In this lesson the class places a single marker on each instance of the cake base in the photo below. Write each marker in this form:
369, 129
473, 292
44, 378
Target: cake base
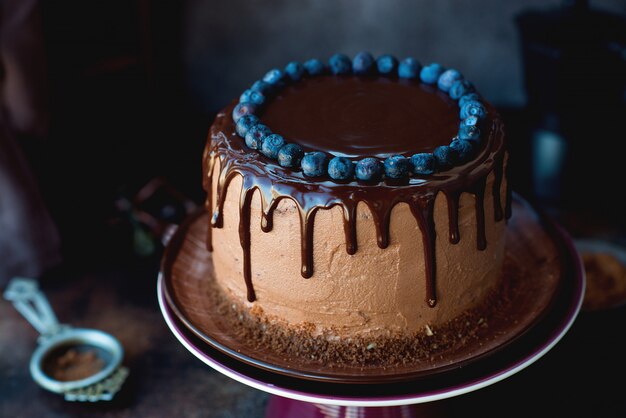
535, 267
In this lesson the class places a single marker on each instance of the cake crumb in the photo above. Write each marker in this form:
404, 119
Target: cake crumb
256, 310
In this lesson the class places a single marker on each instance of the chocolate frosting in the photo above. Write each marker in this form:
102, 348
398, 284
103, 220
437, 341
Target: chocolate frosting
355, 117
363, 116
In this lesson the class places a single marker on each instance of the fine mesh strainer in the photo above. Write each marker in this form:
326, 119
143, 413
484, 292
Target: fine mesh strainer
57, 340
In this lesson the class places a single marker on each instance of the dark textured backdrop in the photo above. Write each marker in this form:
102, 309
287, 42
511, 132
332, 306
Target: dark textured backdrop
228, 43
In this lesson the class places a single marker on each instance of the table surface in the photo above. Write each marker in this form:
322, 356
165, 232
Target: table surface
580, 377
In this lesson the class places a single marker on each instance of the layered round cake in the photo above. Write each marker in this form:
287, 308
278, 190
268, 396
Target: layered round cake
357, 203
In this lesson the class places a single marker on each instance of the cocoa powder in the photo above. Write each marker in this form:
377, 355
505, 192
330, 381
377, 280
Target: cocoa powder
73, 364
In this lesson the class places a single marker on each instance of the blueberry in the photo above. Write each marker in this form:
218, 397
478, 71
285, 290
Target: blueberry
245, 123
470, 121
469, 132
271, 145
468, 97
423, 163
256, 134
340, 168
447, 79
387, 65
464, 149
460, 88
294, 70
369, 169
409, 68
262, 87
290, 155
252, 96
340, 64
430, 73
275, 77
314, 164
396, 167
363, 63
314, 67
473, 108
446, 157
243, 108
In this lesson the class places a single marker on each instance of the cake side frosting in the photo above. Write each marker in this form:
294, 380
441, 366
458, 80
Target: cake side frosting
374, 290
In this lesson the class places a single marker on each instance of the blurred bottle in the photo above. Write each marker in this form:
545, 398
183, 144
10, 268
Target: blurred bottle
574, 61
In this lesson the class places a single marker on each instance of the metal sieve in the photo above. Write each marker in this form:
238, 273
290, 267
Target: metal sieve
56, 338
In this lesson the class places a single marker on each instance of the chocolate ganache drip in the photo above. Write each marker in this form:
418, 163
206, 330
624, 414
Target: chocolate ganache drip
355, 117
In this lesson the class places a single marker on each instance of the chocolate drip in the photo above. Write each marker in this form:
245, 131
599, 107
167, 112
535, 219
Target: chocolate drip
275, 183
479, 193
225, 177
306, 235
384, 220
423, 211
206, 183
267, 218
244, 238
497, 183
349, 227
453, 215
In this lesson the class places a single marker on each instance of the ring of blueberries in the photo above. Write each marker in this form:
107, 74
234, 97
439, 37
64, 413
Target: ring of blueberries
461, 149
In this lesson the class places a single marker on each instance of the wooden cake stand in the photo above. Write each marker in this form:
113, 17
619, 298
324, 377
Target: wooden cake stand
546, 288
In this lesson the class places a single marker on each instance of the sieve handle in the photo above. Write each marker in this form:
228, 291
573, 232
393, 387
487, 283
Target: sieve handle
33, 305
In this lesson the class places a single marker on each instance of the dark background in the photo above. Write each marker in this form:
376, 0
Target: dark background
133, 86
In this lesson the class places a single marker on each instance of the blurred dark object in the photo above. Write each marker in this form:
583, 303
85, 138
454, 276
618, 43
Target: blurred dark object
29, 239
575, 77
118, 118
151, 215
23, 68
93, 104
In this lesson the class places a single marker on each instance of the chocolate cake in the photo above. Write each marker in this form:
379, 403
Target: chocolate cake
357, 203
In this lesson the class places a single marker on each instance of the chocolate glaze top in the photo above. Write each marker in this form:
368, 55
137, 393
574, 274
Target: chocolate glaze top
363, 116
421, 120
